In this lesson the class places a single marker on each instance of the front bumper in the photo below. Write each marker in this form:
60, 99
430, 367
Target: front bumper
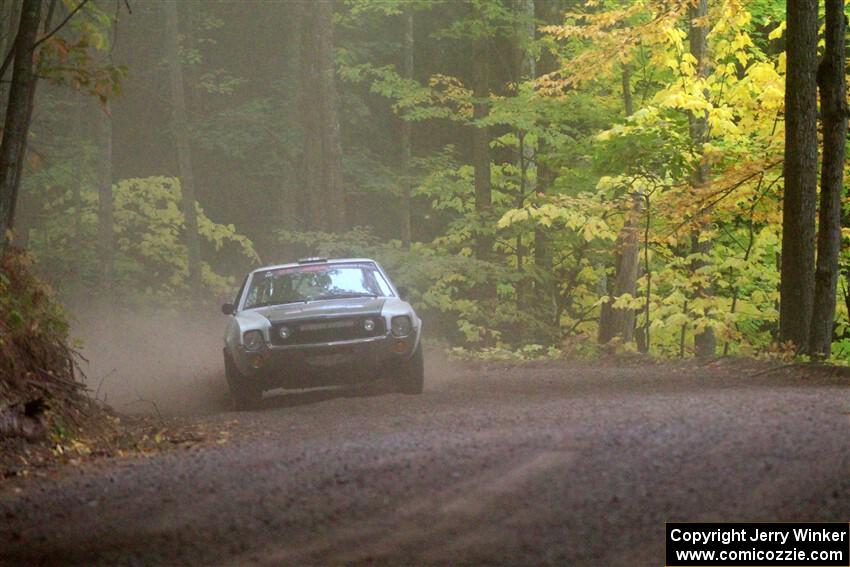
339, 362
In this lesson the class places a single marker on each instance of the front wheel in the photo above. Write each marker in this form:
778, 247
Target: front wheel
412, 379
245, 395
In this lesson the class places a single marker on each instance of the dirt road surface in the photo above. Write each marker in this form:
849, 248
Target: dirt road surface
556, 464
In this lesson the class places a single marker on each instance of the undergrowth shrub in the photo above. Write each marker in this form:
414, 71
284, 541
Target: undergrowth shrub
445, 287
37, 366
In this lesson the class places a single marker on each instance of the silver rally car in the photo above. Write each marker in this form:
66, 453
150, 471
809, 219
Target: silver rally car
320, 322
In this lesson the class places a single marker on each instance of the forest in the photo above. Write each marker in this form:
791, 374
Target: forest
547, 177
612, 290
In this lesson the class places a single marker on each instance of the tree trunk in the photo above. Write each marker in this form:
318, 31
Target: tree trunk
332, 181
525, 68
833, 94
311, 201
546, 11
5, 27
628, 105
7, 35
78, 284
181, 138
621, 322
406, 130
10, 16
289, 209
18, 113
105, 230
796, 288
705, 343
481, 143
22, 236
321, 169
189, 14
79, 182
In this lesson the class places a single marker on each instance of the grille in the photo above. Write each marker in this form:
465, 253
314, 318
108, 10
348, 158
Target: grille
326, 330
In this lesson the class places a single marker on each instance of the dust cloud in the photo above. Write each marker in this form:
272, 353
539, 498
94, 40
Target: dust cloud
440, 370
144, 362
157, 361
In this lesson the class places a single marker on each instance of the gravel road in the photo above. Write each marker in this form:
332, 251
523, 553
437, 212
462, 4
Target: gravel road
547, 464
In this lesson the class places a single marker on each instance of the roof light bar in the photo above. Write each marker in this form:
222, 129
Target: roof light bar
314, 260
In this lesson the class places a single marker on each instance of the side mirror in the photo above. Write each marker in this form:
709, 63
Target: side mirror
228, 308
402, 292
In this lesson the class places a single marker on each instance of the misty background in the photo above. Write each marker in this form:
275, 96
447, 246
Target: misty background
534, 171
145, 322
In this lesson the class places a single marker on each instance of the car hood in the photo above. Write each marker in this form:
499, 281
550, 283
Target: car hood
326, 308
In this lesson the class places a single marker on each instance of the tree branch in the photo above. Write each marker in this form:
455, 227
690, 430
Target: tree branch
9, 57
61, 24
723, 193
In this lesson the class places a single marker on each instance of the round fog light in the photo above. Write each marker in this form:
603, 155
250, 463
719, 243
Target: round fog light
369, 325
256, 362
284, 333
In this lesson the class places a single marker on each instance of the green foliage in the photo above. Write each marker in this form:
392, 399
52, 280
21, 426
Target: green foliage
442, 283
151, 257
571, 125
77, 58
567, 165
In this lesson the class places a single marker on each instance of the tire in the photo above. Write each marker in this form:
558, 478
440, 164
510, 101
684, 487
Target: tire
245, 396
412, 379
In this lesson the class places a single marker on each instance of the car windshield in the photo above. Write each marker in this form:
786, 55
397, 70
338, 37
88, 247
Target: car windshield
315, 283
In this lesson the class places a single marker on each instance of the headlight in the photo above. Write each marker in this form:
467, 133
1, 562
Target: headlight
369, 325
284, 332
253, 340
401, 326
